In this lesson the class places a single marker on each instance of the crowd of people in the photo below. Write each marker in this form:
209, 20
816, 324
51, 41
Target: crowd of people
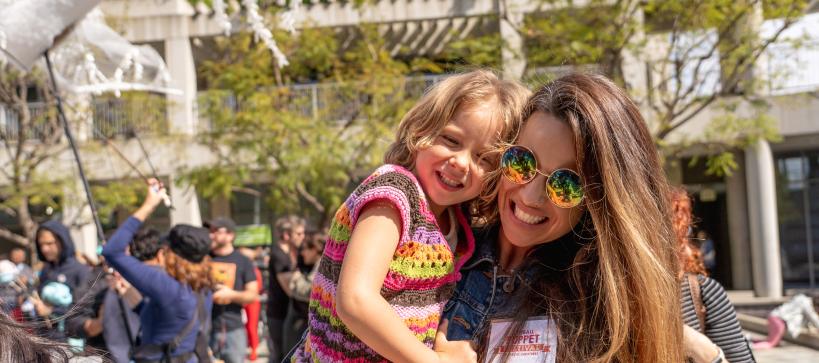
188, 295
500, 216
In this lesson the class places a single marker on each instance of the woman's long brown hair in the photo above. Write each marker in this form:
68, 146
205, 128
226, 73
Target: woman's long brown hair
619, 300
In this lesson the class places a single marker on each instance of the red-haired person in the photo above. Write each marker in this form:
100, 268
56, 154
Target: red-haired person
711, 327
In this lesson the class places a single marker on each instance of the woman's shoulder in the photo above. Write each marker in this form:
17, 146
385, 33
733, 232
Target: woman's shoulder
187, 297
709, 284
713, 293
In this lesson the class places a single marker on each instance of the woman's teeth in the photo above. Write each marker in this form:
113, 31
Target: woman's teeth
527, 218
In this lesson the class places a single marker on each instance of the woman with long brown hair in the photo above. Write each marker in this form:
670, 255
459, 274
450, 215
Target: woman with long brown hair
577, 234
176, 286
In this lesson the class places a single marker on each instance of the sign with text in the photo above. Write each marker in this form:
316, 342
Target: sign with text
253, 235
536, 342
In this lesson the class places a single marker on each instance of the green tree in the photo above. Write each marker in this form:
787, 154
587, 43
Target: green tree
687, 44
32, 138
310, 143
31, 135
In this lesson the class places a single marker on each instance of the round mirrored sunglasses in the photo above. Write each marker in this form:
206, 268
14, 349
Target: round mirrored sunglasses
563, 186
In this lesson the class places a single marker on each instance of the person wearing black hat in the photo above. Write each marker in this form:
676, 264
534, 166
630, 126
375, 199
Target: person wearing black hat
236, 285
176, 287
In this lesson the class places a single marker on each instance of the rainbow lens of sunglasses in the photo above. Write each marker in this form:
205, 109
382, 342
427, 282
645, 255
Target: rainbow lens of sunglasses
519, 164
565, 189
563, 186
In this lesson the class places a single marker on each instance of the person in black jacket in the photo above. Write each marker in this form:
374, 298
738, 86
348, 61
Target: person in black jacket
56, 249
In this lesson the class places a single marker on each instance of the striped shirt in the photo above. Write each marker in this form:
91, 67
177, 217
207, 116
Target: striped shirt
721, 325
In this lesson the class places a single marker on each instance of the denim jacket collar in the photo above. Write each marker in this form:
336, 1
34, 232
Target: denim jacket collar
556, 255
486, 241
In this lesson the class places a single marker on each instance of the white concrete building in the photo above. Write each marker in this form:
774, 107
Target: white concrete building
764, 219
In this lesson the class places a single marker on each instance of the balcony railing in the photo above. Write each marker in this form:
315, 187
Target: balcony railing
111, 117
339, 101
40, 127
138, 113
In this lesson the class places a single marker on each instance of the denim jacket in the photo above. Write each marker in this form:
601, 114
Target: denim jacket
485, 292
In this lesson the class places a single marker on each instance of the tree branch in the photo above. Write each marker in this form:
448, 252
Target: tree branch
310, 198
14, 237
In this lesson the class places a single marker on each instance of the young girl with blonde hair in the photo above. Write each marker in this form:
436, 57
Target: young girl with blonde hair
396, 244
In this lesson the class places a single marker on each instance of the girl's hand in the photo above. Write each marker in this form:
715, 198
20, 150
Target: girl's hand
455, 351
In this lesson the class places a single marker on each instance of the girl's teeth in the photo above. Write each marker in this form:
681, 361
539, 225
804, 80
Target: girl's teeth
528, 218
450, 182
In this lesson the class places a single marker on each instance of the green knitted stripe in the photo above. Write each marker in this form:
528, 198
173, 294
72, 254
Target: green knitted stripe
339, 232
415, 269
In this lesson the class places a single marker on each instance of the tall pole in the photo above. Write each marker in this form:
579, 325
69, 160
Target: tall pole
72, 144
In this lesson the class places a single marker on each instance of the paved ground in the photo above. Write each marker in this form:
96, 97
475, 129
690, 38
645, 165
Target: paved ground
786, 352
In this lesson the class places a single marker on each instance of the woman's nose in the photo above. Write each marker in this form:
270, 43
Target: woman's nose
533, 193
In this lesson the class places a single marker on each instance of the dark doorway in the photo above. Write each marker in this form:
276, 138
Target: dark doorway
711, 216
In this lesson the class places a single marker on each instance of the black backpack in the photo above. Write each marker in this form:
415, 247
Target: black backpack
200, 349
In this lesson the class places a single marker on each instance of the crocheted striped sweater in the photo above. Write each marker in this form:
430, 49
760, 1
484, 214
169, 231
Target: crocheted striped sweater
420, 279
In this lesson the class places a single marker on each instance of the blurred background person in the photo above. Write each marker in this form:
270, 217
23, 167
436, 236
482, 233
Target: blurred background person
19, 257
797, 314
709, 254
235, 285
301, 284
85, 322
120, 321
712, 331
12, 290
283, 261
55, 249
175, 286
253, 309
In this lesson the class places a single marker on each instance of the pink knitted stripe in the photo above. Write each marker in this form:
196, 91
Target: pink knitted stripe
418, 311
396, 281
386, 193
335, 250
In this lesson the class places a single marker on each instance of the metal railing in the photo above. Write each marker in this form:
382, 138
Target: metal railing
39, 127
314, 100
110, 117
145, 114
